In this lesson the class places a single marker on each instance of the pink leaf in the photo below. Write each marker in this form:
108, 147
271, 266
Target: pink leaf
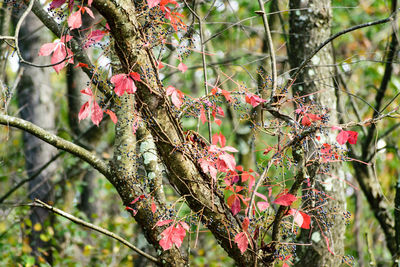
342, 137
97, 113
218, 122
153, 3
47, 49
75, 20
112, 116
123, 83
58, 56
242, 241
229, 160
285, 200
182, 67
94, 37
90, 13
262, 205
185, 226
89, 2
84, 111
229, 149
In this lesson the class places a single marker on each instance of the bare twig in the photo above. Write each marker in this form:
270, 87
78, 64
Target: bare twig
333, 37
270, 48
41, 204
56, 141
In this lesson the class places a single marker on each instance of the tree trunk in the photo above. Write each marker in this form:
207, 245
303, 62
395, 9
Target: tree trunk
37, 106
309, 26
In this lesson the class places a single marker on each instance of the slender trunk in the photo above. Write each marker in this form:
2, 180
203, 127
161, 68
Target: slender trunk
34, 99
309, 26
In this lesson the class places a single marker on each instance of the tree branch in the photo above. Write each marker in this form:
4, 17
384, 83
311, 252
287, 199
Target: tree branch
333, 37
41, 204
56, 141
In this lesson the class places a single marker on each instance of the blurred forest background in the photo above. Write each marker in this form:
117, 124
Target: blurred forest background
238, 49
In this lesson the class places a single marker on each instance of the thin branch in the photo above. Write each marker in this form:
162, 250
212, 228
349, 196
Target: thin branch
56, 141
384, 84
41, 204
203, 58
270, 47
333, 37
79, 54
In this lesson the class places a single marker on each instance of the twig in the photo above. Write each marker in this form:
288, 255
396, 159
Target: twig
203, 58
41, 204
56, 141
270, 48
333, 37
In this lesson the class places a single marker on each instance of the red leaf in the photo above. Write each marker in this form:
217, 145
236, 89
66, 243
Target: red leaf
285, 200
87, 91
227, 95
245, 224
254, 100
75, 20
112, 116
82, 65
203, 115
327, 245
182, 67
352, 137
97, 113
160, 65
302, 219
153, 207
135, 76
235, 206
242, 241
56, 3
84, 111
314, 117
220, 111
172, 235
342, 137
218, 122
305, 121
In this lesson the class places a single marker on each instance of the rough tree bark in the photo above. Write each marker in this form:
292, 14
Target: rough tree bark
310, 24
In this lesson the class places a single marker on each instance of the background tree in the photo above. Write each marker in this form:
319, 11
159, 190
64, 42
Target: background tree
141, 59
